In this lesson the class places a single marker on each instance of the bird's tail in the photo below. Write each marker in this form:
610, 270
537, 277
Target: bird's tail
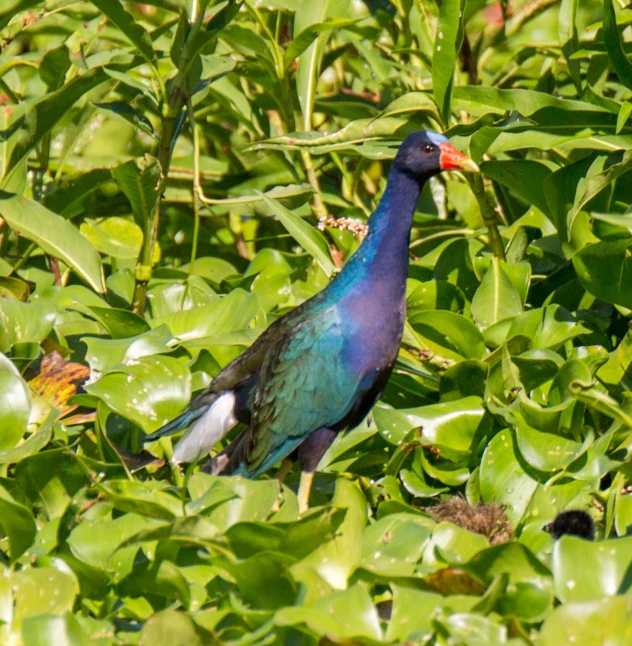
176, 425
207, 423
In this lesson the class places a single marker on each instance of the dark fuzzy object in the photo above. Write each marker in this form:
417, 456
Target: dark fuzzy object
575, 522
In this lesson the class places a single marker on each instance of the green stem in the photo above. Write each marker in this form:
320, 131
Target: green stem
178, 478
171, 110
20, 263
197, 189
320, 209
489, 215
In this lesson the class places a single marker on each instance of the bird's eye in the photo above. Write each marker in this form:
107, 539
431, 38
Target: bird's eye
427, 148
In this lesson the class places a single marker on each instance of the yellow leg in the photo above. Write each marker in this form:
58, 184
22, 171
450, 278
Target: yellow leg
304, 489
282, 471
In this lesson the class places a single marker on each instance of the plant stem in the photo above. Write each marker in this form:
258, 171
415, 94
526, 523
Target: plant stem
170, 110
20, 263
197, 189
319, 206
489, 215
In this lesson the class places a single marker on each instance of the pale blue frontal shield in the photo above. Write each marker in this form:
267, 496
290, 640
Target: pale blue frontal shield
436, 138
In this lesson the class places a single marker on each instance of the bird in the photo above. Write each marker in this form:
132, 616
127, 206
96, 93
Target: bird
573, 521
320, 368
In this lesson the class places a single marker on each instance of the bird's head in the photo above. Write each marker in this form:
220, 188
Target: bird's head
426, 153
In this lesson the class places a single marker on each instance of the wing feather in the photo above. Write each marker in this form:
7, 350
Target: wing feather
303, 386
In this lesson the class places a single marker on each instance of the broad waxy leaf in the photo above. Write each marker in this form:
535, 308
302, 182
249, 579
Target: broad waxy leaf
496, 299
150, 392
55, 235
590, 622
605, 270
503, 479
585, 571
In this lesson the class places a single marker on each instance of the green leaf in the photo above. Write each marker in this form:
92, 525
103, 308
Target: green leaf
229, 501
43, 590
623, 514
44, 115
342, 615
305, 38
17, 523
598, 183
307, 236
525, 178
410, 103
606, 621
115, 237
130, 114
150, 392
170, 627
624, 115
525, 102
446, 50
412, 614
605, 270
569, 40
54, 66
588, 571
55, 235
52, 630
119, 323
451, 544
124, 21
449, 332
103, 354
24, 322
434, 295
144, 498
226, 314
547, 451
450, 425
394, 544
206, 39
513, 559
503, 479
614, 45
478, 630
34, 444
496, 298
95, 540
253, 576
308, 14
15, 403
141, 186
336, 560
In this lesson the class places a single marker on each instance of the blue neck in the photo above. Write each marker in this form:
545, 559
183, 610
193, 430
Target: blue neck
383, 254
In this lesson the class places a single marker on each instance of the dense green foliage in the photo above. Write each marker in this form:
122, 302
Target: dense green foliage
163, 167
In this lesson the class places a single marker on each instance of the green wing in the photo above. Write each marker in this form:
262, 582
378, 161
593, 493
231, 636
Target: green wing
303, 385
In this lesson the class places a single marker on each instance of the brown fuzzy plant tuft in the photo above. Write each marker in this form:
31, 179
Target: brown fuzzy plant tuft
488, 519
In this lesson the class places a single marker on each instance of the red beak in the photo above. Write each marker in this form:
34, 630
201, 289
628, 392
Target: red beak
453, 159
